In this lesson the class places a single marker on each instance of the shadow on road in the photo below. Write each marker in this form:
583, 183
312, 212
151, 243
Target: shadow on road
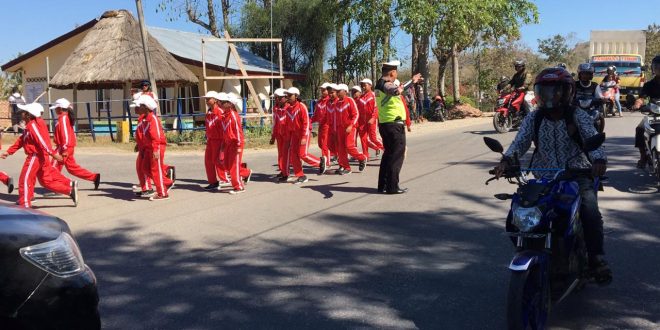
328, 190
384, 270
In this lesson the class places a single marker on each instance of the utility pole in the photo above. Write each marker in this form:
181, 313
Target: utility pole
145, 48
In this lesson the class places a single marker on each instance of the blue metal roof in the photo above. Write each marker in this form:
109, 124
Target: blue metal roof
189, 45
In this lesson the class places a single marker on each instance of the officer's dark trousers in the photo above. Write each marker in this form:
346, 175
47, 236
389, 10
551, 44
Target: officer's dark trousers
394, 141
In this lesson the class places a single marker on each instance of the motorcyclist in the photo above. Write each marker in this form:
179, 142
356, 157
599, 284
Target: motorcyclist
585, 87
521, 82
651, 90
611, 80
556, 147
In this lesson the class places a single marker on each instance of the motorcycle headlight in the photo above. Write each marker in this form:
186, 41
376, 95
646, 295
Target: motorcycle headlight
526, 218
500, 102
60, 257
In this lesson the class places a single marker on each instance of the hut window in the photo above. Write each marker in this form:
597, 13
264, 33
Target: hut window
165, 104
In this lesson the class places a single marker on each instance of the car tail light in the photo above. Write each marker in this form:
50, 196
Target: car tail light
60, 257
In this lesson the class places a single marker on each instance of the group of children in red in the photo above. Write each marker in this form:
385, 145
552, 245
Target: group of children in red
341, 119
223, 157
43, 162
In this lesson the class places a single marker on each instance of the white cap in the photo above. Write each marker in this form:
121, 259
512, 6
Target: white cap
342, 87
357, 88
133, 104
397, 83
136, 96
325, 85
34, 109
235, 99
16, 95
394, 63
211, 95
333, 86
366, 81
147, 101
293, 90
61, 103
222, 96
279, 92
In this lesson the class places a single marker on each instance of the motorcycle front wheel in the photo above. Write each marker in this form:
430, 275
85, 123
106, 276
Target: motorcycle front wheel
528, 300
501, 123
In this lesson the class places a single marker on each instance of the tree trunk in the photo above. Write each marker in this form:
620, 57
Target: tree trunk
442, 77
455, 79
414, 55
386, 47
372, 57
423, 61
225, 13
443, 57
339, 46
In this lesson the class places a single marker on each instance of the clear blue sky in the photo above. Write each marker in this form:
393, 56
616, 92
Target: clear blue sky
27, 24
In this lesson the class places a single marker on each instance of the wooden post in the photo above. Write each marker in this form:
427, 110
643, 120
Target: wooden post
145, 49
248, 83
279, 48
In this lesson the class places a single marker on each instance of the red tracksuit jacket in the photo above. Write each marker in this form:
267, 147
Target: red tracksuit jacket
367, 108
34, 140
279, 121
297, 121
321, 111
231, 129
65, 137
152, 132
213, 122
346, 114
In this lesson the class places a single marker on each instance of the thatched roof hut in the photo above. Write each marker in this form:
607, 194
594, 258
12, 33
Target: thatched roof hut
111, 55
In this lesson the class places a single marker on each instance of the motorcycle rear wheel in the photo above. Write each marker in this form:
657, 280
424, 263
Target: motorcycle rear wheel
528, 300
502, 124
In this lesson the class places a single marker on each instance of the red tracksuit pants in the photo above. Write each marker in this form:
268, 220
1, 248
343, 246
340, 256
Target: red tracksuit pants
72, 167
282, 155
162, 156
213, 162
143, 177
4, 177
346, 146
154, 169
324, 142
299, 153
37, 167
369, 138
233, 161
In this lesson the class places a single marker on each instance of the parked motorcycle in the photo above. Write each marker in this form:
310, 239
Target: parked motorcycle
651, 130
509, 111
593, 108
551, 257
608, 100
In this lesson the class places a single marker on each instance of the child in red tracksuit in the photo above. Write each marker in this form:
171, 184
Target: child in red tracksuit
212, 155
144, 189
368, 121
233, 143
321, 117
65, 144
35, 140
152, 162
299, 128
280, 132
344, 126
4, 178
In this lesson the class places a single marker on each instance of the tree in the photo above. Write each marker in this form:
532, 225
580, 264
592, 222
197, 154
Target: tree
204, 16
463, 23
555, 48
652, 42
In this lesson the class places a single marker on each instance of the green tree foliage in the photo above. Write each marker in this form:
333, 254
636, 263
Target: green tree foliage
652, 42
555, 48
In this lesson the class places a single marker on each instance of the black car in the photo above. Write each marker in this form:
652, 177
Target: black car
44, 282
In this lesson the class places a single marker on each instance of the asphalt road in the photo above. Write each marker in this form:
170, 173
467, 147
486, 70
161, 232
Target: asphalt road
334, 254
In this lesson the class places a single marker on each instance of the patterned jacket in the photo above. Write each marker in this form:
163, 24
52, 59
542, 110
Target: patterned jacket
555, 145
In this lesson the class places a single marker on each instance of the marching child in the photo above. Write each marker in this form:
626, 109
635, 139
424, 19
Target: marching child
153, 161
213, 153
299, 128
321, 117
280, 132
233, 143
4, 178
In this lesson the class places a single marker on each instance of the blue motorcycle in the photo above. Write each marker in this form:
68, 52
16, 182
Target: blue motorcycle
551, 257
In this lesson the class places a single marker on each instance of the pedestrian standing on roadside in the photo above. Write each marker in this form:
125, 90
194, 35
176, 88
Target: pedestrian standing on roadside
14, 100
392, 118
35, 141
65, 143
280, 131
299, 127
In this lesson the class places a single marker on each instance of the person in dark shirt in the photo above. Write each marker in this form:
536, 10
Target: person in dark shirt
651, 90
521, 80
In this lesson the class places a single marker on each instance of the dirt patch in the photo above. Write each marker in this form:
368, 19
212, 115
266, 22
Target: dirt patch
461, 111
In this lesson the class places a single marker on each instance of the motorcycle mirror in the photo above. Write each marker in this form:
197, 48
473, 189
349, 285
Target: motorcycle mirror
494, 145
593, 142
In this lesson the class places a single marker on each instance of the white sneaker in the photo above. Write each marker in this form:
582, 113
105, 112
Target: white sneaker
236, 192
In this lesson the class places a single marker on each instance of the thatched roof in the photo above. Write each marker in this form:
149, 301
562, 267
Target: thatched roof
111, 54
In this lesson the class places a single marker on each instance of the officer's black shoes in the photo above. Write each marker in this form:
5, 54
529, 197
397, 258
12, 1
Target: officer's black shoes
397, 192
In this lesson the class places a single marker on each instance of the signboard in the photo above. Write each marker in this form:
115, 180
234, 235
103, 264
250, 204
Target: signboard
614, 58
32, 90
